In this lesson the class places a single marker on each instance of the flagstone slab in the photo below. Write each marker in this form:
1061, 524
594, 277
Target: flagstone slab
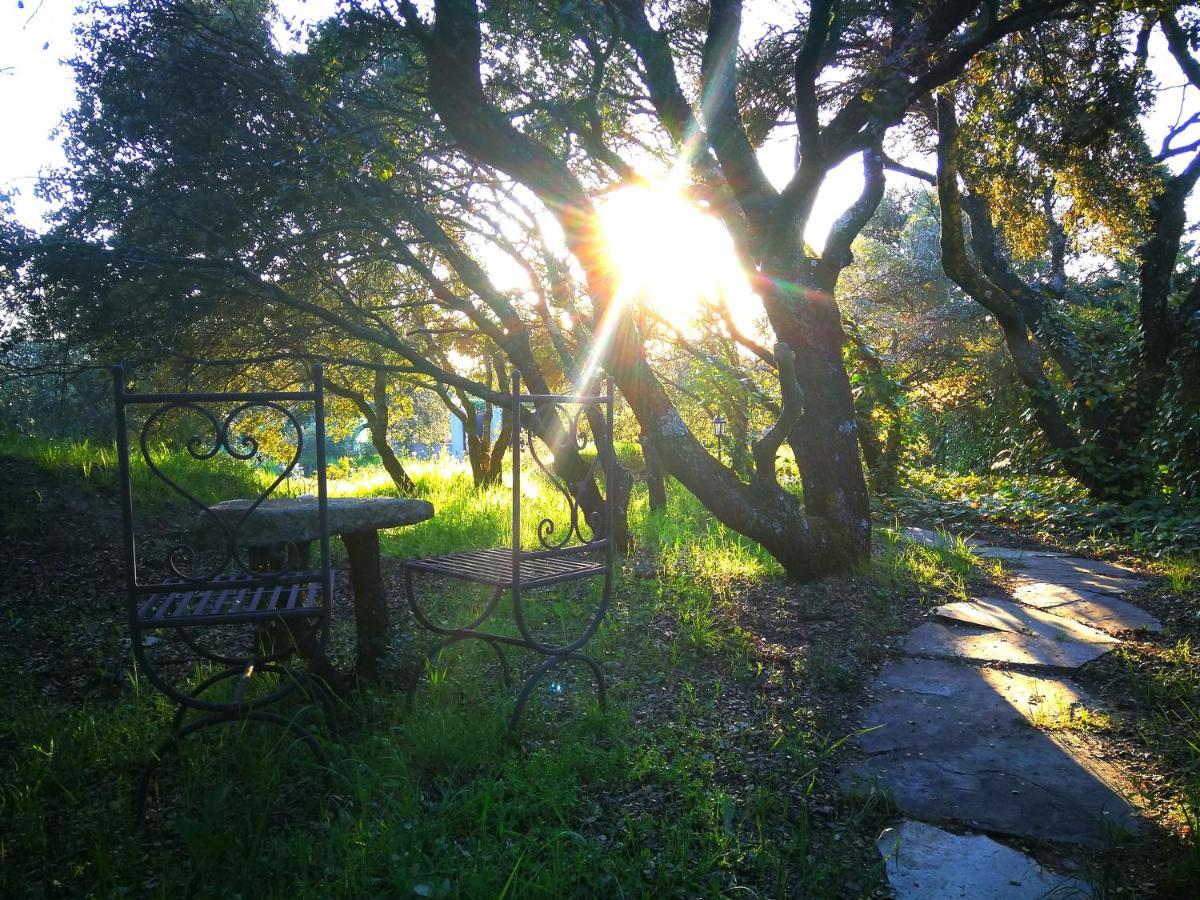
1088, 574
1012, 553
927, 863
979, 644
1004, 615
1046, 595
933, 538
1076, 566
1101, 610
1005, 553
1098, 584
929, 536
955, 743
1109, 614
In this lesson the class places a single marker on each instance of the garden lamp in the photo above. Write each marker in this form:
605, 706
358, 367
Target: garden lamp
719, 430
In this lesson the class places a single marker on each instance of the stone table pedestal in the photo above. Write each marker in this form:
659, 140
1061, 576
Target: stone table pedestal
295, 522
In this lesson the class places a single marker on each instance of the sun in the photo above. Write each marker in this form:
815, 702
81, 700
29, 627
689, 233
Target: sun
670, 257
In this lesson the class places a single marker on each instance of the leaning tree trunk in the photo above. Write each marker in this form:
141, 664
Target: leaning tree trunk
828, 534
389, 460
825, 439
377, 417
1099, 447
656, 483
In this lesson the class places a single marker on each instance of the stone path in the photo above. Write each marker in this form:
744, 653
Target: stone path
952, 731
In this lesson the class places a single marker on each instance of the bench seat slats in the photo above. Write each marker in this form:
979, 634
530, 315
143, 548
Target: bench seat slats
234, 603
494, 567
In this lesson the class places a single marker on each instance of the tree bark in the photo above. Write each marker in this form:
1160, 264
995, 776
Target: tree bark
377, 417
655, 480
825, 439
1101, 447
830, 531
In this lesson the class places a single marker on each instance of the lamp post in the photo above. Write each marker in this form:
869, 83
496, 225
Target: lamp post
719, 431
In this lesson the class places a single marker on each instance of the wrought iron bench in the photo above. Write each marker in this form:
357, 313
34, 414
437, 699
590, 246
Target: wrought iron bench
583, 549
220, 595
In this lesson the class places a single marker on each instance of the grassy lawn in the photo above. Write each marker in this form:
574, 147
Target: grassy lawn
714, 769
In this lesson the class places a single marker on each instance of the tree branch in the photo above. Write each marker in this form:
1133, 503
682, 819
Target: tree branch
718, 106
767, 447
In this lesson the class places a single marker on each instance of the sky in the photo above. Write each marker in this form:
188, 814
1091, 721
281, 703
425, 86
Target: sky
36, 88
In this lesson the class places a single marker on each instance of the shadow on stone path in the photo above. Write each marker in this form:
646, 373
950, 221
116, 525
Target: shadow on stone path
954, 730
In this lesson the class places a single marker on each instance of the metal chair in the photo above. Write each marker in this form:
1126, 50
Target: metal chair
198, 580
575, 555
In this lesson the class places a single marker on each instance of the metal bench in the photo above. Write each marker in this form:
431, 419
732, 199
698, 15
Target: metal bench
582, 548
220, 595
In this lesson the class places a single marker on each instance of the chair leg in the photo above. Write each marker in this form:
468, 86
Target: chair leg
173, 740
431, 660
543, 668
320, 693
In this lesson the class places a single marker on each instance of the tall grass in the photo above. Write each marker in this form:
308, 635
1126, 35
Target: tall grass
660, 796
685, 540
96, 467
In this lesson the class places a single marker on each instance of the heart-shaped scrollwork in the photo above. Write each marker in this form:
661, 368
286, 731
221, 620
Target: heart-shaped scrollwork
221, 433
547, 427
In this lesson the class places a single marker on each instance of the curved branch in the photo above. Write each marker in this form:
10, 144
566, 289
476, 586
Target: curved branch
962, 271
767, 447
718, 106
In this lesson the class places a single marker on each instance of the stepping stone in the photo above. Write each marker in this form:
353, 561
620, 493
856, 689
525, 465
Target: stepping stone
1046, 595
956, 743
1004, 615
1011, 553
1073, 571
988, 644
979, 548
923, 535
926, 863
1100, 610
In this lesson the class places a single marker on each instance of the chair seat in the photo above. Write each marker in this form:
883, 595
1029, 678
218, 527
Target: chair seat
494, 567
246, 599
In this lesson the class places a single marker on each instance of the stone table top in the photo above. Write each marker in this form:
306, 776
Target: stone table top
296, 520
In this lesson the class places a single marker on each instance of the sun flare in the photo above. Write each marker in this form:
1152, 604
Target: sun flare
670, 257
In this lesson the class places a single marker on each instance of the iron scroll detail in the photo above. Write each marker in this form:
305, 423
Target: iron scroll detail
221, 435
578, 437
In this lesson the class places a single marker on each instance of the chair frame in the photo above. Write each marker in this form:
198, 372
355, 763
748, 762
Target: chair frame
265, 589
556, 561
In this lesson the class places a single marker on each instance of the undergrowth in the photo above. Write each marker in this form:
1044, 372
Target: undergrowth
1053, 509
694, 782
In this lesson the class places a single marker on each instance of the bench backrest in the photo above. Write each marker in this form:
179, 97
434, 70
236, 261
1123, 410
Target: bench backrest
550, 422
208, 548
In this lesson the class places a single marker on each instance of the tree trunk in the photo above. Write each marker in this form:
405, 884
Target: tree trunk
825, 439
830, 532
1098, 446
391, 462
377, 418
655, 480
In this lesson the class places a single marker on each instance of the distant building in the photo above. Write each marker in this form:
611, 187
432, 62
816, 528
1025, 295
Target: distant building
458, 439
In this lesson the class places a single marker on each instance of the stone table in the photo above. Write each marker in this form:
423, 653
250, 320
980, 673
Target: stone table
358, 522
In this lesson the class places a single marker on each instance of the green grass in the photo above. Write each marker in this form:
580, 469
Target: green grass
429, 805
695, 782
96, 470
688, 541
941, 570
1161, 683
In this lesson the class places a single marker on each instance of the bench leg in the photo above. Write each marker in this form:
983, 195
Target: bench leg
544, 668
172, 742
